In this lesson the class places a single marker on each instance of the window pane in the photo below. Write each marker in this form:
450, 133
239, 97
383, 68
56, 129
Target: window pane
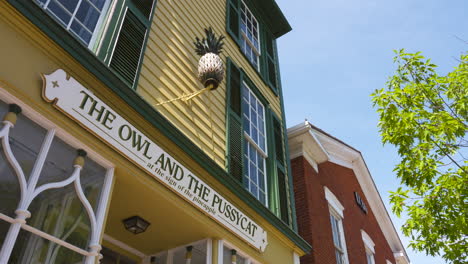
336, 231
70, 5
41, 2
339, 257
59, 212
31, 248
82, 33
198, 255
227, 253
59, 12
26, 138
249, 27
59, 163
9, 187
87, 15
83, 15
4, 226
98, 3
111, 257
160, 259
252, 119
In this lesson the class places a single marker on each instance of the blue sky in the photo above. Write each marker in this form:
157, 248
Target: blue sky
340, 51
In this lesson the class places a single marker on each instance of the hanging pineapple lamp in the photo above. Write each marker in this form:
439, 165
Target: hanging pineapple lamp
210, 65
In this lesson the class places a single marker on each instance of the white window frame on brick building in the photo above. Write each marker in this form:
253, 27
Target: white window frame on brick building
370, 247
336, 220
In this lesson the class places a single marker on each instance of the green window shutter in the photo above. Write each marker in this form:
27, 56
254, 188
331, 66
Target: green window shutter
131, 39
128, 48
235, 153
280, 167
270, 61
233, 17
283, 196
278, 137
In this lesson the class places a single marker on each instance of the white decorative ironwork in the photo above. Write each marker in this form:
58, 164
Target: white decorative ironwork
28, 192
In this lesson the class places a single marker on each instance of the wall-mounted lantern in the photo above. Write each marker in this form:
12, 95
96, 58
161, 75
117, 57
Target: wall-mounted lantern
136, 224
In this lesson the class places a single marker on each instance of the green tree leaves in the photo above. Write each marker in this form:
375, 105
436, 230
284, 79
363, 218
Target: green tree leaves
425, 116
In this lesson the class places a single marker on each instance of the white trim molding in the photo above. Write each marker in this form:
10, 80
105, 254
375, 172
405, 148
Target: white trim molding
368, 241
334, 202
124, 246
317, 147
296, 258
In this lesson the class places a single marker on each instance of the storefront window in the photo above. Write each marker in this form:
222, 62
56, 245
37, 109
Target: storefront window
228, 256
25, 143
62, 202
232, 256
180, 255
111, 257
30, 248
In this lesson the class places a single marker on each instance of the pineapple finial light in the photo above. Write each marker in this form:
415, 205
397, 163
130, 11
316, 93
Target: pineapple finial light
210, 65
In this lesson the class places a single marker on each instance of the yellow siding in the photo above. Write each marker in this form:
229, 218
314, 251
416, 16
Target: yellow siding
170, 68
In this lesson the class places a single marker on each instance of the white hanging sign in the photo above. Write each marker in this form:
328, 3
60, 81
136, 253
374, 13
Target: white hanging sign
69, 96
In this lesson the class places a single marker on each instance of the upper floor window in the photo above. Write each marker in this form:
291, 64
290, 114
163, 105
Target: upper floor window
369, 256
79, 17
336, 220
249, 35
369, 247
337, 230
253, 114
116, 31
255, 145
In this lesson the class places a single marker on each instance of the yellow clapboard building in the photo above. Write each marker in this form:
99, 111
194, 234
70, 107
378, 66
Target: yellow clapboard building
133, 133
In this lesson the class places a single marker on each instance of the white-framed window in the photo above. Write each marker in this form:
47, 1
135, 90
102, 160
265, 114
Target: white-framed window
369, 256
232, 255
198, 252
255, 148
369, 247
336, 220
53, 207
80, 17
250, 37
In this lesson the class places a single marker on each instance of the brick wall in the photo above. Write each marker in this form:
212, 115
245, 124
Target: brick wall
314, 219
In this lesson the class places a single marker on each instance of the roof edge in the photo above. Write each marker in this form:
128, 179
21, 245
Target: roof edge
278, 23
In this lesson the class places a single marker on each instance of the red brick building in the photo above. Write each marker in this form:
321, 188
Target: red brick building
339, 210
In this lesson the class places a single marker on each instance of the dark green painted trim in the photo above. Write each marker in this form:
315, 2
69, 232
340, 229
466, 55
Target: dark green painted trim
276, 165
272, 175
272, 15
110, 37
228, 113
145, 41
255, 90
286, 149
85, 57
